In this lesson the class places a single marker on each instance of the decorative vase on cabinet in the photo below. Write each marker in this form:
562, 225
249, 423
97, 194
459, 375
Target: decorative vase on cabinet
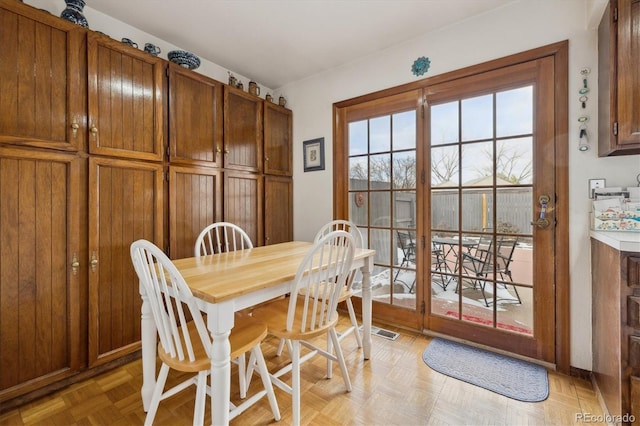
73, 12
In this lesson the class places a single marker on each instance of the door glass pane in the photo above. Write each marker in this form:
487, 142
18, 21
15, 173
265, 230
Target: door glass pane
359, 209
514, 112
477, 118
358, 138
477, 214
404, 130
380, 129
445, 166
404, 209
380, 214
380, 171
404, 170
477, 164
358, 173
513, 210
444, 123
515, 160
444, 210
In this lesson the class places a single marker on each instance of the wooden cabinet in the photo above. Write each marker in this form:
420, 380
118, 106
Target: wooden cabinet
125, 204
40, 270
243, 203
42, 68
278, 208
195, 118
616, 328
195, 201
125, 100
618, 79
242, 131
278, 158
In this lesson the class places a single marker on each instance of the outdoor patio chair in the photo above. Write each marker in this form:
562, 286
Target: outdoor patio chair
406, 243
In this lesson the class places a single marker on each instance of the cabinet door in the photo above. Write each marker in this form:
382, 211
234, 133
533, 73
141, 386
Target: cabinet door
39, 285
125, 100
195, 118
628, 76
42, 86
243, 203
278, 209
278, 157
242, 131
125, 204
195, 201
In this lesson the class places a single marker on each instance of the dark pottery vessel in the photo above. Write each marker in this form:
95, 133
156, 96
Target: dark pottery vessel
73, 12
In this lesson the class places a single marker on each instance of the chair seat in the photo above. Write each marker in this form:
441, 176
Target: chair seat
274, 315
247, 332
345, 293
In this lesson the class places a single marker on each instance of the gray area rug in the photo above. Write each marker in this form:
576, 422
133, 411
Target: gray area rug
501, 374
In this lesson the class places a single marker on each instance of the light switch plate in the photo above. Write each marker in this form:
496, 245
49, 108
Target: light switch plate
594, 184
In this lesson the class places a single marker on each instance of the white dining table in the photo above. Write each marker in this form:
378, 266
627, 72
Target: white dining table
228, 282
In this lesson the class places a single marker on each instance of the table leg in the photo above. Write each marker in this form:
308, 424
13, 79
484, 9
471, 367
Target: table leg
366, 269
220, 322
149, 345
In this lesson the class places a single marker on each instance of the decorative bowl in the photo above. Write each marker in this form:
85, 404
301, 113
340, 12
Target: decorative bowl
183, 58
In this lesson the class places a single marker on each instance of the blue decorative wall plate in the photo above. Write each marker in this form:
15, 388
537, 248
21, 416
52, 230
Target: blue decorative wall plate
420, 65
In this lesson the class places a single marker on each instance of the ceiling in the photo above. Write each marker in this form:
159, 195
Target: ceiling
276, 42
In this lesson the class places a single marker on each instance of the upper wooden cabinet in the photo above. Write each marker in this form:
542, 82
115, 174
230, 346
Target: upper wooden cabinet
278, 159
195, 118
125, 100
42, 81
618, 79
242, 131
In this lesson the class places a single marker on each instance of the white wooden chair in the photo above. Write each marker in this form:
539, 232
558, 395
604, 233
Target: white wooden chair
185, 344
221, 237
310, 310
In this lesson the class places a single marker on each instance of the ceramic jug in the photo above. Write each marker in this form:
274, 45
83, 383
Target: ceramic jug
254, 89
151, 48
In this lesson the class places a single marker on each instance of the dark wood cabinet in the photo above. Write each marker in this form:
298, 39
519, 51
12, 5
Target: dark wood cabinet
125, 204
195, 201
278, 208
618, 79
42, 66
40, 269
125, 100
616, 336
242, 131
195, 118
278, 159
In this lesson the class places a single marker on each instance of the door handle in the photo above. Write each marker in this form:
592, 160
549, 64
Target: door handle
542, 221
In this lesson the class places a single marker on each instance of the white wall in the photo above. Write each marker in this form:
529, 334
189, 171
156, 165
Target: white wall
510, 29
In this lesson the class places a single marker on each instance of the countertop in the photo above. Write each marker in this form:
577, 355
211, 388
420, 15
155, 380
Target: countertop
623, 241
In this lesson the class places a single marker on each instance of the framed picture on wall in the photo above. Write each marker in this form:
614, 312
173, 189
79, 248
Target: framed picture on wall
313, 151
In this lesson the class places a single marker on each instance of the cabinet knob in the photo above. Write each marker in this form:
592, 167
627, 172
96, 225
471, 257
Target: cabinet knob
74, 128
75, 264
94, 262
226, 151
94, 129
218, 150
266, 158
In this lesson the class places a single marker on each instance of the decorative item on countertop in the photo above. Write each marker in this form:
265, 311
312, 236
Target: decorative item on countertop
152, 49
254, 89
130, 42
420, 66
73, 12
232, 79
184, 59
268, 98
282, 101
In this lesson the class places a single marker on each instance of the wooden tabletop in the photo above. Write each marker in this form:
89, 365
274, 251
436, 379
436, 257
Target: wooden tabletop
219, 277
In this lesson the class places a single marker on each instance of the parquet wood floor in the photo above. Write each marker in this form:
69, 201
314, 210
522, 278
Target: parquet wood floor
395, 387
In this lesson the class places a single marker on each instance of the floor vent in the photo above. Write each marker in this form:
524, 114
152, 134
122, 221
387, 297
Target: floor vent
381, 332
